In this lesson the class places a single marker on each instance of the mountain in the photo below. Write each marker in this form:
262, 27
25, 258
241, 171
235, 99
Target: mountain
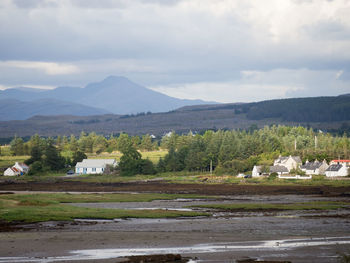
324, 113
114, 94
12, 109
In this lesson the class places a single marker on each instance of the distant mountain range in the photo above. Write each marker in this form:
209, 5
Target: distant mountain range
324, 113
12, 109
116, 95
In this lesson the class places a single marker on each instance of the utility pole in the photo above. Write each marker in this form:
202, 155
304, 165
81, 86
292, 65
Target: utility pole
295, 144
315, 142
211, 166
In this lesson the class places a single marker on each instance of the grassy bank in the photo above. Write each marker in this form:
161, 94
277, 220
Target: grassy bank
30, 208
321, 205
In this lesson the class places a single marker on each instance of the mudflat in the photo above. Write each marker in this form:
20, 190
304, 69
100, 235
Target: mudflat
164, 187
294, 236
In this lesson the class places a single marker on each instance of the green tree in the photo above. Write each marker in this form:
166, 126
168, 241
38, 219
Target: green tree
78, 156
53, 160
17, 146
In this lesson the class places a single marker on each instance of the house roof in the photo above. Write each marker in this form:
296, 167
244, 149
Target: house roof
95, 163
285, 158
278, 169
341, 161
311, 165
334, 168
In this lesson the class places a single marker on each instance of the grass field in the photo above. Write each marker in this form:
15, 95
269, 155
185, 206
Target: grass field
32, 208
154, 156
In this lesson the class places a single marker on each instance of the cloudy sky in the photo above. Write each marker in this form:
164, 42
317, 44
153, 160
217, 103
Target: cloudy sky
217, 50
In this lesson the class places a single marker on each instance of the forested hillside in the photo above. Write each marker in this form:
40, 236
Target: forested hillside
229, 151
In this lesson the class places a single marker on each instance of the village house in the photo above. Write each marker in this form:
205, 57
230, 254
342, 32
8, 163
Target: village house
316, 167
17, 169
258, 170
290, 162
94, 166
338, 168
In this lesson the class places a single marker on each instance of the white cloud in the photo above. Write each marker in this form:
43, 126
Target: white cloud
262, 85
49, 68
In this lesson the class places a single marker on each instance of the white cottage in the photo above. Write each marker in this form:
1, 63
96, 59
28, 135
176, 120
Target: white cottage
280, 170
94, 166
315, 167
290, 162
335, 170
17, 169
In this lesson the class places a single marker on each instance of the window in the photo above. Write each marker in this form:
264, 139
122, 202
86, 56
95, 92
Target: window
94, 169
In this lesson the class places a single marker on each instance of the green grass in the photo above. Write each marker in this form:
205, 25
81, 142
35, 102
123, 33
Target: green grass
32, 208
56, 198
154, 156
32, 214
321, 205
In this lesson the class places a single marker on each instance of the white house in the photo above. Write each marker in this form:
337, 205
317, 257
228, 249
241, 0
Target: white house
12, 171
257, 170
335, 170
315, 167
17, 169
94, 166
290, 162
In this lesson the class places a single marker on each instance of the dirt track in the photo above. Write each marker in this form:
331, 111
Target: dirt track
163, 187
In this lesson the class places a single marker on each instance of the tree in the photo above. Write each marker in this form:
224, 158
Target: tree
129, 161
146, 143
17, 146
35, 155
53, 160
73, 143
78, 156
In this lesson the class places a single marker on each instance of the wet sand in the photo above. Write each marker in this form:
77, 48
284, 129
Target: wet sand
296, 236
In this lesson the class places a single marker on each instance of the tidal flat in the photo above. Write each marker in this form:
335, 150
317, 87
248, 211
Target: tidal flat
295, 235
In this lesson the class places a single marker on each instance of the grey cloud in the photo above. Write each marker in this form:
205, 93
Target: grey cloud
330, 30
29, 4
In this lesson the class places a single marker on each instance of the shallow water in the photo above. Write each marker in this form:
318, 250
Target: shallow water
283, 245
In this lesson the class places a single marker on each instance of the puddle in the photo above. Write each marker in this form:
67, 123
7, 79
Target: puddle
161, 208
269, 245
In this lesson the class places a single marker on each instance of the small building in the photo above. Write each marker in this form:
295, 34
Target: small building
315, 167
290, 162
94, 166
12, 171
336, 170
17, 169
258, 171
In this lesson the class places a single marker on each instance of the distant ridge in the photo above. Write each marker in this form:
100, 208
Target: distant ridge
12, 109
324, 113
114, 94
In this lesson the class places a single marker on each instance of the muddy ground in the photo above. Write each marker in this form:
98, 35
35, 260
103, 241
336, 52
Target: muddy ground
293, 236
163, 187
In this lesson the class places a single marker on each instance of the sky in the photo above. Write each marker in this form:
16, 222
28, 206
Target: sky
215, 50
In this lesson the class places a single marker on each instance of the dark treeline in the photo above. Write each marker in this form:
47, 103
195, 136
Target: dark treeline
238, 151
227, 151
